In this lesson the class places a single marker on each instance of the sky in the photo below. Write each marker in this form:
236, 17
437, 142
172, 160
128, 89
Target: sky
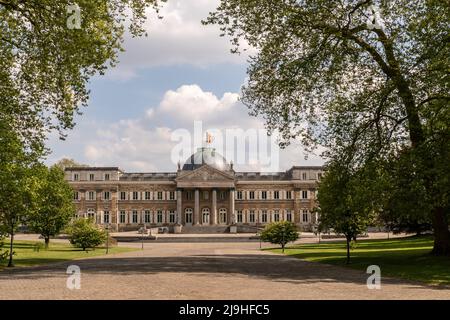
166, 85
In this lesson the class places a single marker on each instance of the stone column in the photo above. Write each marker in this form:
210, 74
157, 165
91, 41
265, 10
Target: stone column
197, 207
179, 205
232, 216
214, 206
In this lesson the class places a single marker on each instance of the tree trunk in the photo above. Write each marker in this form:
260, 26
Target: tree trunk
10, 263
441, 245
47, 241
282, 247
348, 249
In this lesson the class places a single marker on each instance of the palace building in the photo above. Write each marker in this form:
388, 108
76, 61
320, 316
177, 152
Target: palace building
204, 195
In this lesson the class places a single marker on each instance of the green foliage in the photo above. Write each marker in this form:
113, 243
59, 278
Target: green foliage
280, 233
84, 234
18, 182
346, 201
54, 208
407, 258
45, 65
323, 74
67, 163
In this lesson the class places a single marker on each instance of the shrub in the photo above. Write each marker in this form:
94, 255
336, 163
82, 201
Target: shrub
84, 234
279, 233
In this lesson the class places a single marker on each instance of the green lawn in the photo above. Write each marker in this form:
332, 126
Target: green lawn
407, 258
27, 256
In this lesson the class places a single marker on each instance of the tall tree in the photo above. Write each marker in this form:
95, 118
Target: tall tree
54, 207
49, 49
18, 184
67, 163
345, 201
365, 78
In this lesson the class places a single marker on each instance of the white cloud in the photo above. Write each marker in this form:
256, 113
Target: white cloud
146, 144
177, 38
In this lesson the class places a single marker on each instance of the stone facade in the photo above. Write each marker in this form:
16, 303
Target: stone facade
205, 192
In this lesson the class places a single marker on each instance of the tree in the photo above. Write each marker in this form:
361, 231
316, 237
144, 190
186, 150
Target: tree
362, 78
54, 207
50, 49
67, 163
18, 183
84, 234
280, 233
345, 202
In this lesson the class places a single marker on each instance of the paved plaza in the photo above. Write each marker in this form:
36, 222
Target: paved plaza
228, 270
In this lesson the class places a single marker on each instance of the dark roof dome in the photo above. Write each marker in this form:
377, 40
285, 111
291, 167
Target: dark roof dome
209, 156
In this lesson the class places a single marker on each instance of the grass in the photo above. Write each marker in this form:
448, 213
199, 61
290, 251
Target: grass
407, 258
27, 256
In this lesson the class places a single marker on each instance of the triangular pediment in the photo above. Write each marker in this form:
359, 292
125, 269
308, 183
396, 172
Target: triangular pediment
205, 173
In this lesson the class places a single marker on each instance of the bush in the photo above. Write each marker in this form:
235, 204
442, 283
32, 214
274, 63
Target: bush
279, 233
84, 234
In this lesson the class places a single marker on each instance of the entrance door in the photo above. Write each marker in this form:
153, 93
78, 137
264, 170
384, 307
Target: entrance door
205, 216
188, 216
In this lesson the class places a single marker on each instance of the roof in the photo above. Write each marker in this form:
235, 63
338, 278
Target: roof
92, 169
207, 156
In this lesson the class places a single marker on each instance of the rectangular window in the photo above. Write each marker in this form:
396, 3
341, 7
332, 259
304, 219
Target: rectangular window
304, 194
252, 216
205, 195
319, 175
222, 195
106, 195
159, 215
188, 195
76, 177
276, 216
239, 195
264, 216
107, 176
172, 195
160, 195
304, 175
91, 213
122, 216
239, 216
135, 195
91, 177
263, 194
76, 196
147, 195
172, 216
289, 216
147, 216
305, 216
106, 217
276, 194
289, 195
123, 195
135, 216
251, 195
91, 195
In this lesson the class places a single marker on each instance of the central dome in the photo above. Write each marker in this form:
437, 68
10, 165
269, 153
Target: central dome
207, 156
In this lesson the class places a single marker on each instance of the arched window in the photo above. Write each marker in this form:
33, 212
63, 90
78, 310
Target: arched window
222, 215
188, 215
205, 216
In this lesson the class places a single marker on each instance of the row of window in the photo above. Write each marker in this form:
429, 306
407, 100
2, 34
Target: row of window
107, 176
161, 216
91, 177
171, 195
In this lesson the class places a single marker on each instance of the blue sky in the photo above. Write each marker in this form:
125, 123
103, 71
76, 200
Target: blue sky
181, 73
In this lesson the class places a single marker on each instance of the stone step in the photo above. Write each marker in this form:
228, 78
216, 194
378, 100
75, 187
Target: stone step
205, 229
